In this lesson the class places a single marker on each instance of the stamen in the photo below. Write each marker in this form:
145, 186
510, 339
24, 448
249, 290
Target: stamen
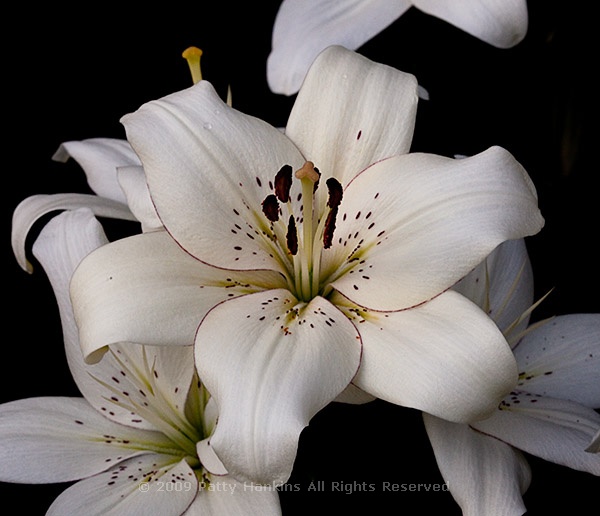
335, 192
329, 228
192, 56
283, 183
292, 236
270, 208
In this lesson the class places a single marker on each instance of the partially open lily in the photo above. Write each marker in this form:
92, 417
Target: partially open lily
303, 28
138, 441
549, 414
301, 262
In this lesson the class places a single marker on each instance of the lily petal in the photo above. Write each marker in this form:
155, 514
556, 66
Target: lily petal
99, 159
561, 359
270, 373
444, 357
114, 293
67, 435
501, 23
502, 286
133, 183
411, 226
594, 446
233, 498
553, 429
341, 141
303, 28
208, 168
484, 475
32, 208
141, 486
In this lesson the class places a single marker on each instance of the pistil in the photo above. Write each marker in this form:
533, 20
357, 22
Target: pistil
317, 227
192, 56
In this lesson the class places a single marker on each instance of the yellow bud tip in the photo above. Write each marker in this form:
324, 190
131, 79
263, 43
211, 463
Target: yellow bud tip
192, 56
307, 171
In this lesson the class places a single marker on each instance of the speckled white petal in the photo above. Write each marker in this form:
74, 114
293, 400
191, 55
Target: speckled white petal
50, 439
29, 210
561, 359
209, 168
271, 363
99, 159
445, 357
303, 28
484, 475
502, 23
411, 226
342, 119
226, 496
553, 429
128, 291
133, 182
152, 484
60, 246
502, 286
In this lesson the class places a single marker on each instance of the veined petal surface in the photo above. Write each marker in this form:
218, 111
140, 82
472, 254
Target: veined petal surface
484, 475
303, 28
128, 291
411, 226
270, 373
445, 357
502, 23
209, 168
342, 141
99, 159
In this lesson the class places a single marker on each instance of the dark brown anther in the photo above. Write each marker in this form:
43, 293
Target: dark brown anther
283, 183
292, 236
270, 208
335, 192
317, 181
329, 228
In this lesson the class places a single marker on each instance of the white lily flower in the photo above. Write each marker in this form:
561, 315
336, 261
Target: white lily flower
549, 414
303, 28
135, 439
294, 286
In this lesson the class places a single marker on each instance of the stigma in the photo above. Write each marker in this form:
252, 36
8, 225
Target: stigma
192, 56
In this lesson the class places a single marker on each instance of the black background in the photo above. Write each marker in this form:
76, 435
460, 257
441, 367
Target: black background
70, 74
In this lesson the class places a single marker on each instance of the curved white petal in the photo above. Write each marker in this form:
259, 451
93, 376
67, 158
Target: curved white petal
209, 459
561, 359
227, 496
444, 357
354, 396
553, 429
303, 28
342, 119
130, 289
99, 159
133, 182
411, 226
29, 210
502, 23
138, 487
594, 446
502, 286
271, 363
209, 168
113, 384
50, 439
484, 475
